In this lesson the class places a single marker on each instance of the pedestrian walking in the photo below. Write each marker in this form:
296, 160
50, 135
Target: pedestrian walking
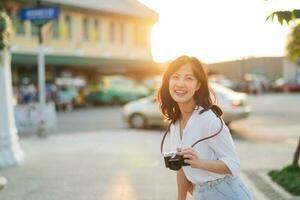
205, 158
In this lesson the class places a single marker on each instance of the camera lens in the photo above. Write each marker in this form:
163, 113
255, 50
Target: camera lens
175, 163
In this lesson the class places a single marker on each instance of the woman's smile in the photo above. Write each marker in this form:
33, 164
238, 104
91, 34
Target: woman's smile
180, 92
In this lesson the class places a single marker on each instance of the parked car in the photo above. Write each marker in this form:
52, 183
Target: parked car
282, 85
115, 90
145, 112
69, 92
153, 82
256, 83
223, 80
65, 98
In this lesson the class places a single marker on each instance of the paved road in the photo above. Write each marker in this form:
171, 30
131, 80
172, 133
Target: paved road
274, 117
90, 119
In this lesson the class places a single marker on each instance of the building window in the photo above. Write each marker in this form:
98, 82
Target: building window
19, 25
95, 31
85, 29
68, 27
112, 32
122, 33
55, 28
34, 30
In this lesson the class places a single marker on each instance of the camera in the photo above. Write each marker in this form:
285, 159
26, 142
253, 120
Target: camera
174, 161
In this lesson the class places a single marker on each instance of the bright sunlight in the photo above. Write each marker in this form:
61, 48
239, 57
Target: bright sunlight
215, 30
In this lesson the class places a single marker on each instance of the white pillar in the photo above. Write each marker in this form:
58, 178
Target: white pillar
10, 151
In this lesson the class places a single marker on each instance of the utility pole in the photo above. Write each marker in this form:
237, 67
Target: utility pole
39, 16
10, 150
41, 65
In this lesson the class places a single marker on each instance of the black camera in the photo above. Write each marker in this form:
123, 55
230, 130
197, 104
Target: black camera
174, 161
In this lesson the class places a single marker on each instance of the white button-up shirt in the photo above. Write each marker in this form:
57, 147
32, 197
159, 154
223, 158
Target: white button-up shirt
220, 147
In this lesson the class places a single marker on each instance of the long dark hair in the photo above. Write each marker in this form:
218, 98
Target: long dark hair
203, 97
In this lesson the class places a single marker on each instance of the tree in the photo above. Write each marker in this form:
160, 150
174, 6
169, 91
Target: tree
296, 155
293, 44
5, 27
293, 48
285, 16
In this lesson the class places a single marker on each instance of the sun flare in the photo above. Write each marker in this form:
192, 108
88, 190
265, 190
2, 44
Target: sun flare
218, 30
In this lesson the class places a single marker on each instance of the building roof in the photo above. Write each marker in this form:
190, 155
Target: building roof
125, 7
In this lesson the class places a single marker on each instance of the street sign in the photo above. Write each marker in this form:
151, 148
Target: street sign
36, 14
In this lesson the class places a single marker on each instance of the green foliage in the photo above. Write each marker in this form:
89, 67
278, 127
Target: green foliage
288, 178
285, 16
293, 44
3, 24
4, 30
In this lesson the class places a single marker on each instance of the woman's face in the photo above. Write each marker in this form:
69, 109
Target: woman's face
183, 84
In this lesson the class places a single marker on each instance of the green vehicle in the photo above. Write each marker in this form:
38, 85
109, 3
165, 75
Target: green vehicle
115, 90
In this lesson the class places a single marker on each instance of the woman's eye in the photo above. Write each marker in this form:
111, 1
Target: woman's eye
175, 77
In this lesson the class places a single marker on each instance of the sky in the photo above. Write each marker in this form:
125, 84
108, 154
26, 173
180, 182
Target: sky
216, 30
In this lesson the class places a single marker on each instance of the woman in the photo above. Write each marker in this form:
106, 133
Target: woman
214, 163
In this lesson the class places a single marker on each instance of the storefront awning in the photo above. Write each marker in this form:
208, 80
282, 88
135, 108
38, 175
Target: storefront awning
80, 61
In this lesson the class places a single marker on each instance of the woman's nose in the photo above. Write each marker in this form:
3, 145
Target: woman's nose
180, 82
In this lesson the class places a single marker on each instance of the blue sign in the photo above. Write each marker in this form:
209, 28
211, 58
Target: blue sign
39, 13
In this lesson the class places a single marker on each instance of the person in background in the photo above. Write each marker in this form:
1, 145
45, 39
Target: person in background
28, 92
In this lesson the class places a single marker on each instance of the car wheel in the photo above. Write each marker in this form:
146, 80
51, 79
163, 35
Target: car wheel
137, 121
115, 101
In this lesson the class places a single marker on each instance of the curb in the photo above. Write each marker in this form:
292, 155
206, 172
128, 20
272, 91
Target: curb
277, 187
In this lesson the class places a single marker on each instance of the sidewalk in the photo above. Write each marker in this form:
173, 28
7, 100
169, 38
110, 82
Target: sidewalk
123, 165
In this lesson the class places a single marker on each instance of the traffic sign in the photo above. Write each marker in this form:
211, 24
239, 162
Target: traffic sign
42, 13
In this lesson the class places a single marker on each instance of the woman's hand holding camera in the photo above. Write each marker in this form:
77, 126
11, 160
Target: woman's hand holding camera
216, 166
190, 157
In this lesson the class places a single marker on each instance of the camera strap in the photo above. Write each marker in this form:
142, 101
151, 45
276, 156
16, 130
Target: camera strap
206, 138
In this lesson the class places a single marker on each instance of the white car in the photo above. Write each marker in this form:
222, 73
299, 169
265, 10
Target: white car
145, 112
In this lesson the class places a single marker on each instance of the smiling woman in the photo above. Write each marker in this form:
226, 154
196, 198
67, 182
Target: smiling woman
216, 31
209, 170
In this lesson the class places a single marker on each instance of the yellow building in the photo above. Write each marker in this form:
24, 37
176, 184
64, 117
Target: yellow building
90, 38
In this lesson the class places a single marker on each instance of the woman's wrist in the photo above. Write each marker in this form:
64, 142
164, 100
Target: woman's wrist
199, 164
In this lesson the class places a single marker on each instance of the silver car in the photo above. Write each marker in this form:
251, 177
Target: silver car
145, 112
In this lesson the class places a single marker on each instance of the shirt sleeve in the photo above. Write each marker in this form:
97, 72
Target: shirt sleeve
223, 146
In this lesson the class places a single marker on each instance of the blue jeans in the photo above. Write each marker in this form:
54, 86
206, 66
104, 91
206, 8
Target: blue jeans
227, 188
